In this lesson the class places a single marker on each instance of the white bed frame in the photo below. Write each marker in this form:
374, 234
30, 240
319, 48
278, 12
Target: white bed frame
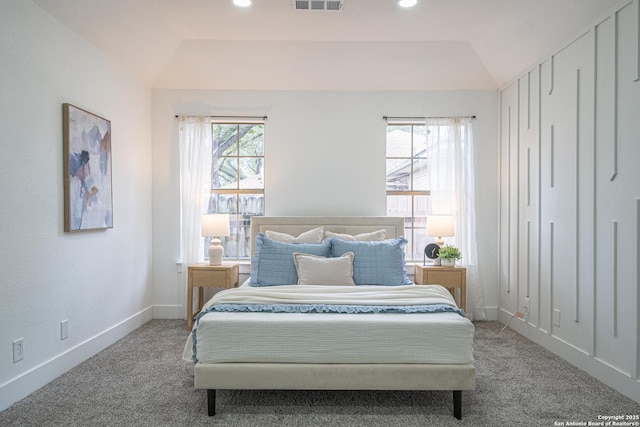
297, 376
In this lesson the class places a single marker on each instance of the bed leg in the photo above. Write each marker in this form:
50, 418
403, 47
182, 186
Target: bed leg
211, 402
457, 404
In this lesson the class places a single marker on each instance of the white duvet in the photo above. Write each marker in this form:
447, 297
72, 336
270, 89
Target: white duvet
333, 337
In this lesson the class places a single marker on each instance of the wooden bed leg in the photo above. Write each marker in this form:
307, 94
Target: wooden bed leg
457, 404
211, 402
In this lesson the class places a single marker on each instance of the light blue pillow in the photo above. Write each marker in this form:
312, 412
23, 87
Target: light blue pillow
375, 263
272, 263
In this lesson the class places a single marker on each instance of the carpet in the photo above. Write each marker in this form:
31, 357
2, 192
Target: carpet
142, 381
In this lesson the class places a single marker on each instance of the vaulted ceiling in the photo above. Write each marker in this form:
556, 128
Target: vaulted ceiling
369, 45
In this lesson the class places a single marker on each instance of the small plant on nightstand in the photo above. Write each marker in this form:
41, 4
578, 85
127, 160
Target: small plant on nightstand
448, 255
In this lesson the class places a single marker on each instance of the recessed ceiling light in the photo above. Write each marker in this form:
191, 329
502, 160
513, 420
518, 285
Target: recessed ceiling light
242, 3
407, 3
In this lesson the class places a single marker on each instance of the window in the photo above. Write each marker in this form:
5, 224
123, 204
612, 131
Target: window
408, 182
237, 182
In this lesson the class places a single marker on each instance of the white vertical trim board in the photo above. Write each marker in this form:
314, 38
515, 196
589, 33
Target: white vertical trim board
528, 260
551, 258
551, 79
552, 157
528, 100
576, 313
539, 218
528, 176
614, 166
509, 202
595, 194
614, 279
636, 374
637, 5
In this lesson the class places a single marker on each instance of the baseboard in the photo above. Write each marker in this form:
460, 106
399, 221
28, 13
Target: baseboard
491, 313
35, 378
603, 372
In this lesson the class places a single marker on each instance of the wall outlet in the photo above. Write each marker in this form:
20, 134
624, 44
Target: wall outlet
64, 330
18, 350
556, 317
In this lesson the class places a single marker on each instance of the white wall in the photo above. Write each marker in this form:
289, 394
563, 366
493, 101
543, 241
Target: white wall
98, 281
324, 155
570, 201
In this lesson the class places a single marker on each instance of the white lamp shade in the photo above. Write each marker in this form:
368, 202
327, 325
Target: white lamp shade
215, 225
440, 225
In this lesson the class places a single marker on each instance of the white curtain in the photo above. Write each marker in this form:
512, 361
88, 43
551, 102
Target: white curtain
195, 186
451, 173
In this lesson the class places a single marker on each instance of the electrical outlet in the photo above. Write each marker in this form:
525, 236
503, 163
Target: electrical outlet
64, 330
522, 312
556, 317
18, 350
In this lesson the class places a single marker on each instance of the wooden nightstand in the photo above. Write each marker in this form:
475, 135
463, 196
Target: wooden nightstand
451, 278
205, 275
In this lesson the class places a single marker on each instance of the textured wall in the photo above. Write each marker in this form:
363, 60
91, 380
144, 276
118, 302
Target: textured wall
570, 200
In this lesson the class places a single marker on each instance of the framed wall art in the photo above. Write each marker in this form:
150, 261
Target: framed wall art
88, 202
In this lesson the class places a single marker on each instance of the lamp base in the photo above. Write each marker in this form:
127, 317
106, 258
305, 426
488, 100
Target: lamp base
216, 252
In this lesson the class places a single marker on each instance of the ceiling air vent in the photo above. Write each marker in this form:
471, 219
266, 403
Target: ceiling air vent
330, 5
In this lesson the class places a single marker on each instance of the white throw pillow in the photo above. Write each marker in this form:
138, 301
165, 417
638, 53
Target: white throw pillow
318, 270
311, 236
374, 236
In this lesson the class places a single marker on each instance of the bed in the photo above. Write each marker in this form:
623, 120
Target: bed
390, 337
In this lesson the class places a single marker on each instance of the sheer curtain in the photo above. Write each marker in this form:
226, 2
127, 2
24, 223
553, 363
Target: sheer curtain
195, 140
451, 171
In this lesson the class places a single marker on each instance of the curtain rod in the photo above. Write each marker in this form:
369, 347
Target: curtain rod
424, 118
234, 117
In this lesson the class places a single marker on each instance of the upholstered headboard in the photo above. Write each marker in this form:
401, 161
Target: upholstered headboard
295, 225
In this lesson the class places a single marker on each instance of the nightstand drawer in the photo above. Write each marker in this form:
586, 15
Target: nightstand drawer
209, 278
448, 279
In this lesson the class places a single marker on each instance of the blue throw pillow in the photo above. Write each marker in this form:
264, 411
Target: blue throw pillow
272, 263
375, 263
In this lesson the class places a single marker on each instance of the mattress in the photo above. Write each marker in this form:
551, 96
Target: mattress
421, 338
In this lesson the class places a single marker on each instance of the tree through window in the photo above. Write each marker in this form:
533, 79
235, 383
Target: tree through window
237, 181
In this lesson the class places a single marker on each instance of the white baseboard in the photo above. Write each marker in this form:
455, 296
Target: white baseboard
491, 313
605, 373
35, 378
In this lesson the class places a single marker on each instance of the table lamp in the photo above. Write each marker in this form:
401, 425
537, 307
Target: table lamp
438, 226
215, 225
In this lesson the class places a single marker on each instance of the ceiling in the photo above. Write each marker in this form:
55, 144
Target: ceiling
369, 45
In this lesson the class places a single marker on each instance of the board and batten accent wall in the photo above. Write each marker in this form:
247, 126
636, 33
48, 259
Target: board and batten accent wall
570, 201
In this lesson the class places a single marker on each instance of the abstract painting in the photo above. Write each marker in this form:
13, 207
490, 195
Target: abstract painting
88, 203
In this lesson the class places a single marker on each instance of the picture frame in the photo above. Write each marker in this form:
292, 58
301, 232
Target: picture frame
88, 198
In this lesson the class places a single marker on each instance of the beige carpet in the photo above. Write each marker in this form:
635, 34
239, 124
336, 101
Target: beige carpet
142, 381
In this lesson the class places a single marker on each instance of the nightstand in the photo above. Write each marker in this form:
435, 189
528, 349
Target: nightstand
451, 278
204, 275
